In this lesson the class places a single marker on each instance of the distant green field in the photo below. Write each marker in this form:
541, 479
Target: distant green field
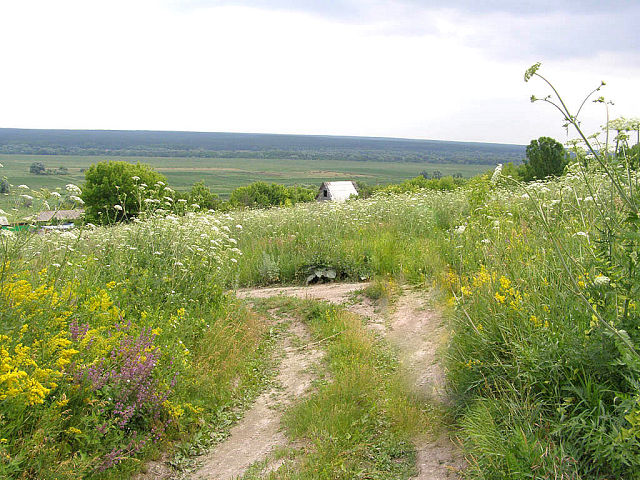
225, 174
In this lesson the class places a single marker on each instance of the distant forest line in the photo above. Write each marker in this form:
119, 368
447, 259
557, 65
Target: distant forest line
136, 143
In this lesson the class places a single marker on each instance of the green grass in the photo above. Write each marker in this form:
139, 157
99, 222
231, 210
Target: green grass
527, 356
223, 175
360, 420
386, 235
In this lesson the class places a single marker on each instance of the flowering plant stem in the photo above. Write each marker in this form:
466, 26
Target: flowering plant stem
615, 181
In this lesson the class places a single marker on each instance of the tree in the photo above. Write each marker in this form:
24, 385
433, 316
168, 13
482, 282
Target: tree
545, 157
364, 189
38, 168
261, 194
116, 191
4, 185
203, 197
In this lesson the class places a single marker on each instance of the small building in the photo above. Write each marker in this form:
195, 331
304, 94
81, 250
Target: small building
336, 191
4, 222
59, 216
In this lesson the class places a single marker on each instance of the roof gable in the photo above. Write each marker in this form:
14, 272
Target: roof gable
339, 191
49, 215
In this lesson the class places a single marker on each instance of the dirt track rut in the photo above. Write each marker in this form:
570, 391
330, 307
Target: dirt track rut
418, 332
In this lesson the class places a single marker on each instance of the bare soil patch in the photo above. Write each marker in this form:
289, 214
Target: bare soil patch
258, 434
419, 332
331, 292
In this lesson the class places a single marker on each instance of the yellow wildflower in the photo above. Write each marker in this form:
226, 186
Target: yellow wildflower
505, 283
193, 408
176, 411
482, 277
536, 322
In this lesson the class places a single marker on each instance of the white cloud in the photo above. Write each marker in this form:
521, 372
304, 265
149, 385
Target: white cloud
142, 65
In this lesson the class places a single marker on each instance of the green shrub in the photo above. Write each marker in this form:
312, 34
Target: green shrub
261, 194
116, 191
204, 198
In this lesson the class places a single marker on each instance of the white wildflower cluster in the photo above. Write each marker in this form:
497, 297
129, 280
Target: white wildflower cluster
193, 241
73, 189
496, 174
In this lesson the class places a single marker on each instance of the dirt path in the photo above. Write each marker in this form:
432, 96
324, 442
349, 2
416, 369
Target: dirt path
331, 292
418, 331
339, 293
258, 433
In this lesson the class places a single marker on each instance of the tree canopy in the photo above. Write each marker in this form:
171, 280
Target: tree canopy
116, 191
261, 194
545, 157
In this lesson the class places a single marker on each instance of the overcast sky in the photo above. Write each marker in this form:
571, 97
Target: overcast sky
435, 69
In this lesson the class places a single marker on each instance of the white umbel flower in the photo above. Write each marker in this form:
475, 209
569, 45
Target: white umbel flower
496, 174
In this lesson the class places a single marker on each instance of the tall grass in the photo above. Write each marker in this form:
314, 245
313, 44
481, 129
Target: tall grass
115, 339
384, 235
529, 358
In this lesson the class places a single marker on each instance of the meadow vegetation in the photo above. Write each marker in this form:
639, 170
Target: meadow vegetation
113, 337
223, 175
359, 417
